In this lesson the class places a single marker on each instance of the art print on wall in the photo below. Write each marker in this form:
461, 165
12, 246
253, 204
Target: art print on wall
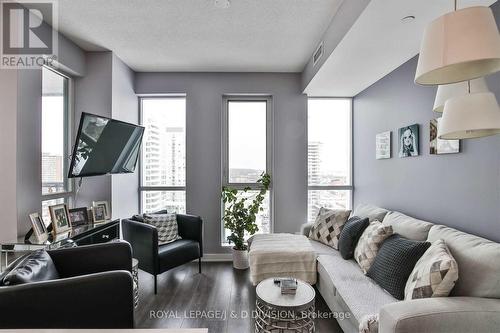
438, 146
383, 145
408, 141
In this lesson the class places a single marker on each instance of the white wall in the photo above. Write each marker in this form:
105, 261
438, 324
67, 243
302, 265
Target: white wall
204, 109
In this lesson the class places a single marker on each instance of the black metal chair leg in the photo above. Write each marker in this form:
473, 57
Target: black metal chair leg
199, 265
156, 283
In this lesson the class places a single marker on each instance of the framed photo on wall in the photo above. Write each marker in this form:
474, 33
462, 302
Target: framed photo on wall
383, 145
79, 216
39, 228
438, 146
409, 141
60, 218
105, 206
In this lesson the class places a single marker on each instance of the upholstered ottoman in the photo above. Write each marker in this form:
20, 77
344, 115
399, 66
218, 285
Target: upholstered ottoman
281, 255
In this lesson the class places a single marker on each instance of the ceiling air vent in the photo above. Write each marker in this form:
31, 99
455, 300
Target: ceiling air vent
318, 54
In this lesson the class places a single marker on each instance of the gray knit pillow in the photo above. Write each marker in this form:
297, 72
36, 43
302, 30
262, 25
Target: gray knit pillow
167, 227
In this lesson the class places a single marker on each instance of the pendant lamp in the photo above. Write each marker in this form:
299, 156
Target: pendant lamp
447, 91
459, 46
470, 116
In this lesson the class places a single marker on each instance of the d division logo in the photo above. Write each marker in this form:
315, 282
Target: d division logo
28, 33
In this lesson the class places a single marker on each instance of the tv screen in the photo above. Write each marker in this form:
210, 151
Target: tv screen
105, 146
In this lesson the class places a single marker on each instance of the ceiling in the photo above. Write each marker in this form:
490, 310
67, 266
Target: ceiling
378, 43
197, 35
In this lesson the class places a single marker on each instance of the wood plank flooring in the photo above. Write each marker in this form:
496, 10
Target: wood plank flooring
221, 299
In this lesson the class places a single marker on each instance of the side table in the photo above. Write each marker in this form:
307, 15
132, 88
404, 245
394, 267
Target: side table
135, 278
277, 313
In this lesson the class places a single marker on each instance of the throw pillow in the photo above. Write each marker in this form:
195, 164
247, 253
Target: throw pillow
36, 266
395, 262
434, 274
350, 234
369, 243
328, 226
167, 227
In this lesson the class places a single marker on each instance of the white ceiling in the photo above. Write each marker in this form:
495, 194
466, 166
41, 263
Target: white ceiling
195, 35
378, 43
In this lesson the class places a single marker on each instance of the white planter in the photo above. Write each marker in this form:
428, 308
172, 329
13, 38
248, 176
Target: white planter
240, 259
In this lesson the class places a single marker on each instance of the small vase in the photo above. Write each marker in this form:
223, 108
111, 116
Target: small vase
240, 259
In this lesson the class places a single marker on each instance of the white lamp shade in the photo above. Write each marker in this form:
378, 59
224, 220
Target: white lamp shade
447, 91
470, 116
459, 46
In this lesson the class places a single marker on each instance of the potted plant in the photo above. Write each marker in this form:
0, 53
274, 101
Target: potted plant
240, 213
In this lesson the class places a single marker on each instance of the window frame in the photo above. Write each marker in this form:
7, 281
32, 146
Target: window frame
68, 131
349, 187
143, 188
226, 99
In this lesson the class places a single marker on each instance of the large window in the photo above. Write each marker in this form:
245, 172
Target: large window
329, 154
55, 139
247, 148
163, 159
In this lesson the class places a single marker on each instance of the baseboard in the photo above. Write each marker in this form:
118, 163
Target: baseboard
217, 257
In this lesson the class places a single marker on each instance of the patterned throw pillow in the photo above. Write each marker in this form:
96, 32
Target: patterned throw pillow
434, 274
166, 224
328, 226
369, 243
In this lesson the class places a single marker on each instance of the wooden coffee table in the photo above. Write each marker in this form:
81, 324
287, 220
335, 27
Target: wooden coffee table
277, 313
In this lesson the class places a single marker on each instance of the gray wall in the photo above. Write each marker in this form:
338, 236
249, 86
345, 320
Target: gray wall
459, 190
204, 104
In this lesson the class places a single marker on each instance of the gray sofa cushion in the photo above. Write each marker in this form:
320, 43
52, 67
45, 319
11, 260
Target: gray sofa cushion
360, 293
372, 212
407, 226
478, 262
320, 248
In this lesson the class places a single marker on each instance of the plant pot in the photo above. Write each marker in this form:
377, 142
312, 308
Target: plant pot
240, 259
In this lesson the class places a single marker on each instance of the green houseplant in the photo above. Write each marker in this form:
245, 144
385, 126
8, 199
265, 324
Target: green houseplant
240, 213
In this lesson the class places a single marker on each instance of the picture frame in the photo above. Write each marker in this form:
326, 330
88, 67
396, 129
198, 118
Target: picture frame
438, 146
79, 216
383, 145
409, 138
39, 227
59, 215
98, 214
105, 205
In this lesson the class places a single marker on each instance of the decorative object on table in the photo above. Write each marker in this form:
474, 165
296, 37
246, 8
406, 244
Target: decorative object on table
39, 228
328, 225
408, 141
166, 224
383, 145
449, 91
288, 286
98, 214
105, 205
438, 146
240, 213
277, 312
434, 274
459, 46
60, 218
79, 216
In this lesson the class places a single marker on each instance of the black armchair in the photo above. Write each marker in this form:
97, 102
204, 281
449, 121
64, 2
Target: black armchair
94, 290
156, 259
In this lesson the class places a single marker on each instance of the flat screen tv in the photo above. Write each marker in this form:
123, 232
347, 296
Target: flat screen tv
105, 146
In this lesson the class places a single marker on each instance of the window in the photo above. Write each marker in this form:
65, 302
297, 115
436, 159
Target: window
163, 157
329, 154
247, 148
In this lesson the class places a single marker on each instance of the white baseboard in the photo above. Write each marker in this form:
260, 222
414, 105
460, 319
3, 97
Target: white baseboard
217, 257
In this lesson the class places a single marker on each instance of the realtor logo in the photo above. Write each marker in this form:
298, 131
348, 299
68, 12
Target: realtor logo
28, 33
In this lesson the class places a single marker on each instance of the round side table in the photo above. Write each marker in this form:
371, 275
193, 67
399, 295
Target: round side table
277, 313
135, 278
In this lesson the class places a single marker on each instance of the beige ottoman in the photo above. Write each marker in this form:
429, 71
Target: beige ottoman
281, 255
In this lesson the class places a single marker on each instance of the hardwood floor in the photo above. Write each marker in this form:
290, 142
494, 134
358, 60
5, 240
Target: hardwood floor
187, 299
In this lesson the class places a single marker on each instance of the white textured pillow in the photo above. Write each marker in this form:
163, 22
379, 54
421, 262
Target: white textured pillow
328, 226
167, 227
434, 275
369, 243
